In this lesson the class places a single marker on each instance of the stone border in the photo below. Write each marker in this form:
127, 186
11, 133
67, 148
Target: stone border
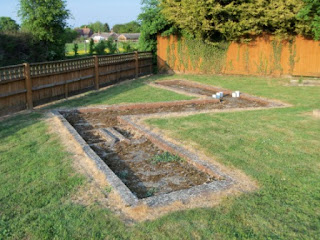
305, 83
224, 185
223, 181
110, 176
212, 88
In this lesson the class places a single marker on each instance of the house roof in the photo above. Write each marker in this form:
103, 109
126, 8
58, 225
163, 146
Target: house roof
84, 31
130, 36
105, 35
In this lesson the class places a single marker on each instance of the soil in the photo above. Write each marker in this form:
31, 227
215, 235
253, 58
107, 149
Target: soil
131, 160
181, 86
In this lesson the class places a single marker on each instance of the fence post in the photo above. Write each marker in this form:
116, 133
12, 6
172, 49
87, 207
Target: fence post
28, 85
96, 72
136, 56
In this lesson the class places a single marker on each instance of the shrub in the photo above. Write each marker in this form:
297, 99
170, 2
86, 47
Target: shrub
100, 48
75, 49
91, 46
111, 46
17, 48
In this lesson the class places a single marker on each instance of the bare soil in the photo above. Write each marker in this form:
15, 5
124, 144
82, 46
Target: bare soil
181, 86
131, 160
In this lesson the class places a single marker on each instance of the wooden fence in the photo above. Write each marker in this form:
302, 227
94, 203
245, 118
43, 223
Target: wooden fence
264, 55
27, 85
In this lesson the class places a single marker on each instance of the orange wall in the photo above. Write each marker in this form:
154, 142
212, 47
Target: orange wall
258, 57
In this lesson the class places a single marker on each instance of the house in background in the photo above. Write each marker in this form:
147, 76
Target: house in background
123, 37
97, 37
84, 32
128, 37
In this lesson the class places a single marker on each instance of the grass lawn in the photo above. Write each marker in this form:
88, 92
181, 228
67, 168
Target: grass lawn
277, 147
83, 48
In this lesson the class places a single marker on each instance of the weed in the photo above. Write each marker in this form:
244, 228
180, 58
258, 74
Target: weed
166, 157
151, 192
108, 189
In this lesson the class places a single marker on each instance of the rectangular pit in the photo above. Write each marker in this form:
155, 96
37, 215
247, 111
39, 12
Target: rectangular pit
128, 154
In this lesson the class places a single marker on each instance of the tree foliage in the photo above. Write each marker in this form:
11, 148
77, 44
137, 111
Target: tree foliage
46, 20
310, 13
20, 47
98, 27
91, 46
152, 23
100, 48
70, 35
8, 25
234, 19
130, 27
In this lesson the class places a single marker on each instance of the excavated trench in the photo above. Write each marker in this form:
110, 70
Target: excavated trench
144, 167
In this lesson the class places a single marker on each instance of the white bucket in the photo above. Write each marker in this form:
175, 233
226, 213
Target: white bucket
238, 93
234, 95
221, 94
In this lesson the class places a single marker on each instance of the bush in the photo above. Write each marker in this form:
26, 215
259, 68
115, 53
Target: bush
91, 46
75, 49
17, 48
100, 47
111, 46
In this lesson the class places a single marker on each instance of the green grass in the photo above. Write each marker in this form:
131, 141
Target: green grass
81, 49
82, 52
277, 147
165, 158
131, 92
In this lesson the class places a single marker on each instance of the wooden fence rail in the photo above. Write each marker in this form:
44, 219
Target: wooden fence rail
27, 85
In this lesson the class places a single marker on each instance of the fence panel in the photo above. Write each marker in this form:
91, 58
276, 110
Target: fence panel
50, 81
266, 55
12, 89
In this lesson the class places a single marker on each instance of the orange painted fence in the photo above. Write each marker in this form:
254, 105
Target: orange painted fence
262, 56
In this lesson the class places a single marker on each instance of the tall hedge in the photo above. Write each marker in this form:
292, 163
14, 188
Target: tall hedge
216, 20
16, 48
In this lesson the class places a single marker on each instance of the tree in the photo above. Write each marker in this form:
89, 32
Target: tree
310, 13
233, 19
19, 47
152, 23
111, 46
130, 27
100, 48
91, 46
8, 25
106, 27
70, 35
46, 20
98, 27
75, 49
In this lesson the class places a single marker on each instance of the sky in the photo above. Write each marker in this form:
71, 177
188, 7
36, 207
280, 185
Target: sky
86, 11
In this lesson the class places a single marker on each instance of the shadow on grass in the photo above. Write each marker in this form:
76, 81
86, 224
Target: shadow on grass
16, 123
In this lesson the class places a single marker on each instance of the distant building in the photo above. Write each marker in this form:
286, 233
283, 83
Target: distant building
97, 37
128, 37
123, 37
84, 32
